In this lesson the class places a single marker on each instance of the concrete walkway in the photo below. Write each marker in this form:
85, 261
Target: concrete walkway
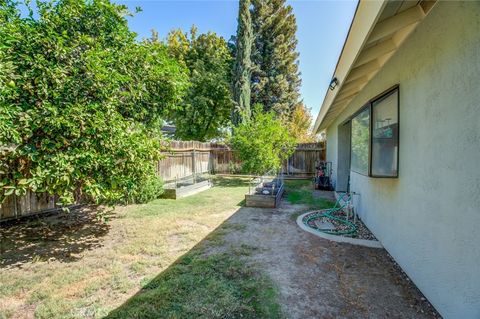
318, 278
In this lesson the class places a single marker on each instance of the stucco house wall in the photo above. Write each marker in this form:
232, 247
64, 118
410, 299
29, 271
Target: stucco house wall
428, 219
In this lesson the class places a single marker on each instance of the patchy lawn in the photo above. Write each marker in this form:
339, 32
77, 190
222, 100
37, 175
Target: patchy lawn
145, 262
203, 256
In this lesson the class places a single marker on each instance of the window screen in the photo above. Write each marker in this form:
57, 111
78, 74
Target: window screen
360, 142
385, 136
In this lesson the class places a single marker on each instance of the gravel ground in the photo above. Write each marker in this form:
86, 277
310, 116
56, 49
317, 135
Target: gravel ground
317, 278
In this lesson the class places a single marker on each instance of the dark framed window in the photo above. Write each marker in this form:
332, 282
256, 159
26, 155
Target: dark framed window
375, 136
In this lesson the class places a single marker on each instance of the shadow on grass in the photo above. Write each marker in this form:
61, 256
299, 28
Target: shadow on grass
56, 236
206, 283
62, 236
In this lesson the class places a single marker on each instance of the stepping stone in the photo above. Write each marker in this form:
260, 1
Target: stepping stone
324, 225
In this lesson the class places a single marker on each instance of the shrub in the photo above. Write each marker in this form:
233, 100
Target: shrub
262, 142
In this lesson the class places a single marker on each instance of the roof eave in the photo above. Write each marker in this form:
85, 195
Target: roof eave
377, 31
364, 21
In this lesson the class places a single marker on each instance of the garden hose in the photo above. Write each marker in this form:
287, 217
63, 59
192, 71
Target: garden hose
327, 213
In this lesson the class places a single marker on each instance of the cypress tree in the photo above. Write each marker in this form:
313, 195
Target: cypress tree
243, 65
275, 77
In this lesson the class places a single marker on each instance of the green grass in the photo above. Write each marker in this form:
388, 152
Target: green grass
197, 286
147, 261
300, 192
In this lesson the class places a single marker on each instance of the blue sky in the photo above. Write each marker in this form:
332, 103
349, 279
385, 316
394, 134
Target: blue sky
322, 28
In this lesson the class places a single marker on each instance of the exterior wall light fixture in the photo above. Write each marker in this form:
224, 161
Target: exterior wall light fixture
333, 83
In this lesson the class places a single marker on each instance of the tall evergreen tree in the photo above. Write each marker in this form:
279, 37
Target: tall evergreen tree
276, 77
243, 64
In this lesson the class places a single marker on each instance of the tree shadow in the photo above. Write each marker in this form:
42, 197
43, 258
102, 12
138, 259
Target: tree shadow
56, 236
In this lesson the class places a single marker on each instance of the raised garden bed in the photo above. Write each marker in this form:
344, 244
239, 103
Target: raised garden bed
266, 193
186, 186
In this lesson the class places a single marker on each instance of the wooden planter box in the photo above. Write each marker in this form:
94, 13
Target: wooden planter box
265, 201
184, 191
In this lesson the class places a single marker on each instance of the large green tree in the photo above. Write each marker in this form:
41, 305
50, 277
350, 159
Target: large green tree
275, 78
243, 65
81, 102
206, 107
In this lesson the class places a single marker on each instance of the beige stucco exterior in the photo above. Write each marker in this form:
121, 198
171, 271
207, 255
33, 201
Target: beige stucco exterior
429, 218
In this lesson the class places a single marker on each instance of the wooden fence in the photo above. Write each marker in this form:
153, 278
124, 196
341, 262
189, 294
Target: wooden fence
182, 160
304, 159
187, 158
31, 203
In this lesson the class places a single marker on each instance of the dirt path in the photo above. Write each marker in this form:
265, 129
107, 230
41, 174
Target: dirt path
317, 278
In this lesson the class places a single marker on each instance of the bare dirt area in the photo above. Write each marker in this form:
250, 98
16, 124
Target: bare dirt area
317, 278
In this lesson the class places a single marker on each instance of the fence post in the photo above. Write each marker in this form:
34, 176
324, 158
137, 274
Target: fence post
211, 156
15, 207
194, 168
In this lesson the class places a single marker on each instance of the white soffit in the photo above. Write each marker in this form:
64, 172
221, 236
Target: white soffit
377, 31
